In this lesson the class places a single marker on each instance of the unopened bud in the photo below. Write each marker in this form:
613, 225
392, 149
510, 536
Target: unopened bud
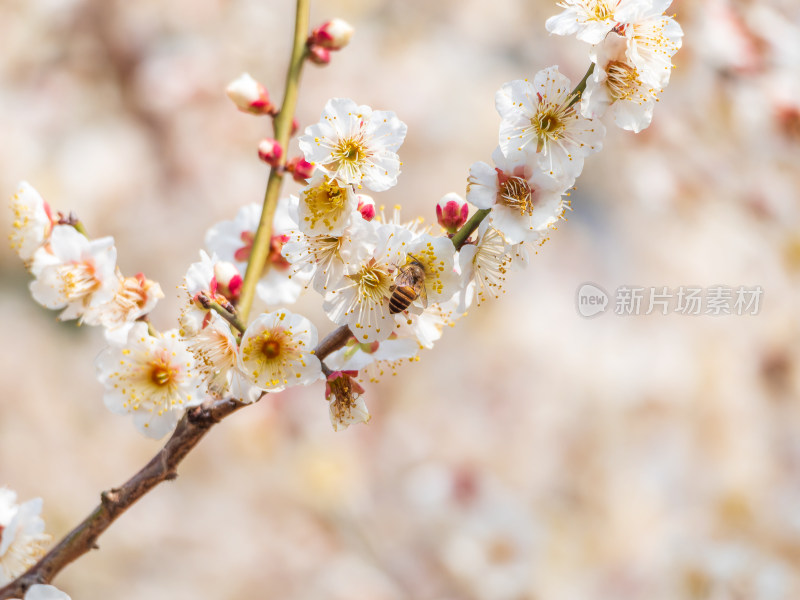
452, 212
300, 169
295, 126
228, 278
270, 151
319, 55
250, 96
333, 35
366, 206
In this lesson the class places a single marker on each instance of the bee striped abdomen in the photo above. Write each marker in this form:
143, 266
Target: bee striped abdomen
401, 298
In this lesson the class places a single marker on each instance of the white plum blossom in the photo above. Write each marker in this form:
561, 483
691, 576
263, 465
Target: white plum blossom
276, 351
617, 84
355, 145
361, 298
232, 241
324, 207
151, 377
74, 273
22, 538
525, 201
322, 258
32, 221
135, 297
485, 262
542, 118
591, 20
345, 400
653, 38
45, 592
216, 352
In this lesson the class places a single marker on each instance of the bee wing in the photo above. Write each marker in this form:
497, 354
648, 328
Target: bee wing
423, 296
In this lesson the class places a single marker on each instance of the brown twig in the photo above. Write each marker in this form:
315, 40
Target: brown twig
194, 424
332, 342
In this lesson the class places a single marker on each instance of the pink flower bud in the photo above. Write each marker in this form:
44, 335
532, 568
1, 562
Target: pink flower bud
366, 206
333, 35
319, 55
452, 212
295, 126
300, 169
250, 96
228, 279
270, 151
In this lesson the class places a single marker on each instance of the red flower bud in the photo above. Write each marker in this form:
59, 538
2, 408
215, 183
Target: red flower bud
366, 206
333, 35
319, 55
452, 212
270, 151
250, 96
300, 169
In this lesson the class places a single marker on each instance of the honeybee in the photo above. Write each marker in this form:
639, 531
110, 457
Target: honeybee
408, 286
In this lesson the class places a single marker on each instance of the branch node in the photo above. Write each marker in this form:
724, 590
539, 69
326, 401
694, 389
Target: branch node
109, 498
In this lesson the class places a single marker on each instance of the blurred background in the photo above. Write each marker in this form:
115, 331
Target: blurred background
532, 453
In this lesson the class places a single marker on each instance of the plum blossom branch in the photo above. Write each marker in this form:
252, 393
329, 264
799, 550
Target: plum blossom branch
368, 270
194, 424
283, 130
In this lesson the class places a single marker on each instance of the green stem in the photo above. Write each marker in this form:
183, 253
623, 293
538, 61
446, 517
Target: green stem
225, 314
283, 130
462, 235
578, 91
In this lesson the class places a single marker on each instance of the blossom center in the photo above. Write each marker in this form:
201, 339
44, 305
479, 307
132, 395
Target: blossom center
500, 551
271, 349
549, 124
622, 79
516, 193
79, 280
325, 203
351, 150
162, 373
601, 11
373, 283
